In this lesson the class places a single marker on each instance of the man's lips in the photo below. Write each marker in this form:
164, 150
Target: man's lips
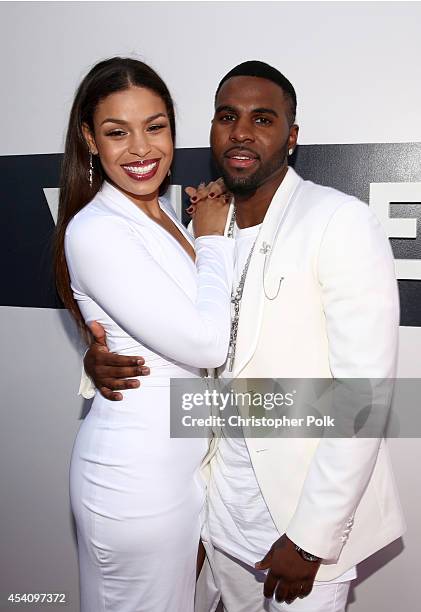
241, 158
142, 170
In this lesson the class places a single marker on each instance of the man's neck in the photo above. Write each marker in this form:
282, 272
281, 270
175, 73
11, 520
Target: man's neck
251, 209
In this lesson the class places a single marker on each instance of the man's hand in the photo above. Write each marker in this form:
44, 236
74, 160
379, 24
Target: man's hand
289, 576
111, 372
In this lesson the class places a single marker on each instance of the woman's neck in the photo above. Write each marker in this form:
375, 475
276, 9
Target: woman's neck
147, 203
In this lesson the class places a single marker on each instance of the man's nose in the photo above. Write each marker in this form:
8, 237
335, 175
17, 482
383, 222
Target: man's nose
241, 131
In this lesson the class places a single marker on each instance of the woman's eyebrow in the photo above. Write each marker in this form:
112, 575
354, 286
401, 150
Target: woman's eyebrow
123, 122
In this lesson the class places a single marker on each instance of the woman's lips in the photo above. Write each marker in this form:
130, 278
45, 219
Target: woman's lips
142, 171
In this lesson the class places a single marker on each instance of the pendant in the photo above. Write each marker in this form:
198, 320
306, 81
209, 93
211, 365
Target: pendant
230, 362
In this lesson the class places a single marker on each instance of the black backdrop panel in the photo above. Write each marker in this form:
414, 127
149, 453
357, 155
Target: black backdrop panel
27, 224
26, 230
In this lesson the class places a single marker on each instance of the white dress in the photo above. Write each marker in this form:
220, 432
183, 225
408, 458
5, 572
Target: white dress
136, 493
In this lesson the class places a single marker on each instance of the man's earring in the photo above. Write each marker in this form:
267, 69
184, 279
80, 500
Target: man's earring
91, 170
169, 173
290, 151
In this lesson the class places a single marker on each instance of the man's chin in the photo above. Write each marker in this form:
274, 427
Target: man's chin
239, 185
243, 190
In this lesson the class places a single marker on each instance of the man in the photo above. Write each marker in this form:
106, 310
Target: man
317, 299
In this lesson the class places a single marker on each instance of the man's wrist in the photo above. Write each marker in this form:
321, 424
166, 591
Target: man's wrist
306, 555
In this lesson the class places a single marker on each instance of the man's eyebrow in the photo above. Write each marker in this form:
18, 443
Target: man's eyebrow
226, 108
122, 122
255, 111
265, 111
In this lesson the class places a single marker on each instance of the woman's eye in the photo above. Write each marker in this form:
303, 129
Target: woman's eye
156, 127
116, 133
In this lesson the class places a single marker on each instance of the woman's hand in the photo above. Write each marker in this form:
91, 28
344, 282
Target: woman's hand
210, 216
203, 191
209, 208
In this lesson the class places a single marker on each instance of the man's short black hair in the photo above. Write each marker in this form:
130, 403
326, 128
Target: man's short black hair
255, 68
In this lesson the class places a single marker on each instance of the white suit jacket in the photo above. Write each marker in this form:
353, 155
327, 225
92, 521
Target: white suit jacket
321, 301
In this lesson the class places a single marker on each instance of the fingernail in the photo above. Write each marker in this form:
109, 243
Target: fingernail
140, 362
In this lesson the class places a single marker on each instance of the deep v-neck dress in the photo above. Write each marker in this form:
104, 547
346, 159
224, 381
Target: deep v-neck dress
136, 493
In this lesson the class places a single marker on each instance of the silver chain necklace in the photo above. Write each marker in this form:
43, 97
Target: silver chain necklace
236, 297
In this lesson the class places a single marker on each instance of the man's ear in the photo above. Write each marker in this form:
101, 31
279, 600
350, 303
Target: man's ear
90, 140
293, 136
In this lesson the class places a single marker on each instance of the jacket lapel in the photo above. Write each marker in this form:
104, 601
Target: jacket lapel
251, 308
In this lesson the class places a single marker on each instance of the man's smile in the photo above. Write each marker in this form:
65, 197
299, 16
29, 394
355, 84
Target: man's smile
239, 157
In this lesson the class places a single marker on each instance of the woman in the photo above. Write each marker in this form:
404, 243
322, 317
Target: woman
124, 260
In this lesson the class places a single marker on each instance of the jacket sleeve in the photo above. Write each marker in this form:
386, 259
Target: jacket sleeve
360, 301
110, 264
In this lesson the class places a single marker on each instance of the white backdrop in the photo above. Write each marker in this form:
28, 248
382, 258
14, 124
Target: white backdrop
355, 65
356, 69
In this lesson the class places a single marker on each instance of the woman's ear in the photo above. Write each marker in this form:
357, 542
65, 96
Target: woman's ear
90, 140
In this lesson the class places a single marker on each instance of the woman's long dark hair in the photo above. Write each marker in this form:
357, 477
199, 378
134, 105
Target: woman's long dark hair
105, 78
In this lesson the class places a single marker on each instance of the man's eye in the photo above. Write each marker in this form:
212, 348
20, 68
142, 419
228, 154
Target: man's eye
263, 120
227, 118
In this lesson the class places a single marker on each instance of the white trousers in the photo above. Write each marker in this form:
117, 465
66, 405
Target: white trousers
241, 588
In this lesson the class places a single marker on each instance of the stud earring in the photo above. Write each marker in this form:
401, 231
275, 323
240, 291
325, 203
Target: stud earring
290, 151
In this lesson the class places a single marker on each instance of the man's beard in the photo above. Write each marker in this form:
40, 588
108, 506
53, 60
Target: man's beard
247, 185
